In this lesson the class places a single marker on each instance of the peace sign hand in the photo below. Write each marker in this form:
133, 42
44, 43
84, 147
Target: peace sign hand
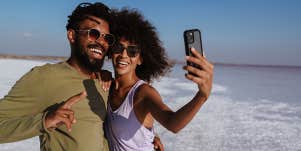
64, 114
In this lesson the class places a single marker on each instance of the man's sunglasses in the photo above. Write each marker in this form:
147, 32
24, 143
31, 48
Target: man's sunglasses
132, 50
97, 4
94, 34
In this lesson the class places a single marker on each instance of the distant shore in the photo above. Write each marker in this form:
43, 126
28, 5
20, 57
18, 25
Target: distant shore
31, 57
174, 61
54, 58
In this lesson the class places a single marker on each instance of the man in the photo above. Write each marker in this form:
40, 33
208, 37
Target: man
39, 104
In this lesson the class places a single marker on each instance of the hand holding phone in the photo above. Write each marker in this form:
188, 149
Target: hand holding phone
203, 79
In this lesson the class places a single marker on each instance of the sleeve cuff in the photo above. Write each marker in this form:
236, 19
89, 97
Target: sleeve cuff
44, 129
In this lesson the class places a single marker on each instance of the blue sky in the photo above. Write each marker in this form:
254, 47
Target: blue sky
234, 31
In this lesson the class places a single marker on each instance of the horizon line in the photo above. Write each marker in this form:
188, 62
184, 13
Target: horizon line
61, 58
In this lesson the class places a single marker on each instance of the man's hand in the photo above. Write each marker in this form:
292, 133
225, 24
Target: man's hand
203, 75
64, 114
158, 146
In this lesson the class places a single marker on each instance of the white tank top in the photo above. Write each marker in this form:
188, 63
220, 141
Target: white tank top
124, 131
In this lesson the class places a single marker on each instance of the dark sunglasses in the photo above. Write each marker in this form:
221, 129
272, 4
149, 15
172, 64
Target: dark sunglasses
132, 50
94, 34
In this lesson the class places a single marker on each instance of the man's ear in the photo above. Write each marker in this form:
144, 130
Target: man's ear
71, 35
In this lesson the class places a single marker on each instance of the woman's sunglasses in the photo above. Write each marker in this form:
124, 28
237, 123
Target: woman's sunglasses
94, 34
132, 50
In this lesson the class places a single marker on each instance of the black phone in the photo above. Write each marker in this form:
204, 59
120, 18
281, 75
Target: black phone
192, 38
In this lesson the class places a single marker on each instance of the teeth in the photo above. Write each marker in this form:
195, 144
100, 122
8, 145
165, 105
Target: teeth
123, 63
96, 50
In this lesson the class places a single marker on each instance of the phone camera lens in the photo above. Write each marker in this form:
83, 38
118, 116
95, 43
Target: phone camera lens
190, 38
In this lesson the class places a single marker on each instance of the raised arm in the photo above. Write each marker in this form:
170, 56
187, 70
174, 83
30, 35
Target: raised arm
175, 121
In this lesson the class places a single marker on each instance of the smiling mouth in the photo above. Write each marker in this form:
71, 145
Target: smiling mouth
122, 64
96, 51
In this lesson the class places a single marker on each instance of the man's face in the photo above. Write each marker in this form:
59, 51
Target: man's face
90, 52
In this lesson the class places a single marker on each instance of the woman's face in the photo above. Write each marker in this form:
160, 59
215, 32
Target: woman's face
125, 57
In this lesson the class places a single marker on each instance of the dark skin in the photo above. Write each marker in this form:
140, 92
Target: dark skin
64, 114
148, 104
82, 38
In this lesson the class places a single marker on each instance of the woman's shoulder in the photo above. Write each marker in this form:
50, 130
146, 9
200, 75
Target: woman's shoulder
146, 91
145, 87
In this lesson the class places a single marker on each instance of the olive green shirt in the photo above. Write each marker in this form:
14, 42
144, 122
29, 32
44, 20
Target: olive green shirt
23, 109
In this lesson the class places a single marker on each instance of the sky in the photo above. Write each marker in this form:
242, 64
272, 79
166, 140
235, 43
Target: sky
261, 32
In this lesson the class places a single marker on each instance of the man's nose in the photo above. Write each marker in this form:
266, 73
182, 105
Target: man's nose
102, 42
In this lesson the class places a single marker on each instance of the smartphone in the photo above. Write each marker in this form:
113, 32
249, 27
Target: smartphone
192, 38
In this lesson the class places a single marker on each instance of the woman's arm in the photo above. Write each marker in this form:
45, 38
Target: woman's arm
175, 121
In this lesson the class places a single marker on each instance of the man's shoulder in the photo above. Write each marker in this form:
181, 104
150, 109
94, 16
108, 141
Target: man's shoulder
50, 67
48, 70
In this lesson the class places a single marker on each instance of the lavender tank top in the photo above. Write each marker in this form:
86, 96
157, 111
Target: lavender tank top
124, 131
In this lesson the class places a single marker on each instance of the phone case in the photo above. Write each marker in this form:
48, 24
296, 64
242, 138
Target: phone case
192, 38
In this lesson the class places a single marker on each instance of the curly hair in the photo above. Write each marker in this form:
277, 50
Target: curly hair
83, 10
131, 25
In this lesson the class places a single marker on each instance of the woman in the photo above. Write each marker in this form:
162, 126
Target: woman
138, 58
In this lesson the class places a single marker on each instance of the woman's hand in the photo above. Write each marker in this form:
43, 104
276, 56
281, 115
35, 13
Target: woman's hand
158, 146
202, 75
105, 78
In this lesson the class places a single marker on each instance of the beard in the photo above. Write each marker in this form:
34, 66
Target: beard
91, 64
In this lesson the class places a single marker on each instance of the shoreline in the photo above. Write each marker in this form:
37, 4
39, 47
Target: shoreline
32, 57
174, 61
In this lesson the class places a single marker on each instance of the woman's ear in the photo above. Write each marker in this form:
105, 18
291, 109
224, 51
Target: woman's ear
71, 35
140, 61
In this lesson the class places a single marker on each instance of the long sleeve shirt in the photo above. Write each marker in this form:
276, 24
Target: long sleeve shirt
23, 109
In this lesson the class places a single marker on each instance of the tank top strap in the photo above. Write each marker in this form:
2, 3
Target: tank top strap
133, 91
